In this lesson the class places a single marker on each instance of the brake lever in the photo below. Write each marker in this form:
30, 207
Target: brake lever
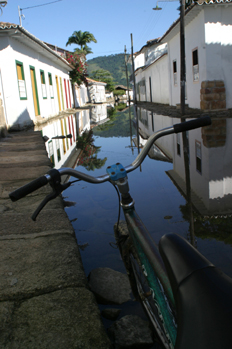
58, 188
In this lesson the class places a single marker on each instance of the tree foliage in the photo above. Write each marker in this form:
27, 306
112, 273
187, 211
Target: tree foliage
88, 157
104, 76
118, 126
119, 92
79, 73
115, 64
81, 39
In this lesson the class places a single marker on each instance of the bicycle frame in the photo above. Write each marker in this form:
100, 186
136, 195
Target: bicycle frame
152, 265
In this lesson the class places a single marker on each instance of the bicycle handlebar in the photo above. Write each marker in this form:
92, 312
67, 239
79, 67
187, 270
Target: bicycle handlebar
43, 180
192, 124
28, 188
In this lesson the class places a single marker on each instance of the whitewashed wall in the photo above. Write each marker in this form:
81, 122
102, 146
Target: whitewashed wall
139, 60
214, 183
83, 121
21, 112
60, 149
97, 93
158, 72
218, 44
159, 91
194, 38
211, 33
80, 95
98, 113
154, 52
150, 123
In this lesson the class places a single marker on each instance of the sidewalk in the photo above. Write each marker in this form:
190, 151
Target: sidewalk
44, 297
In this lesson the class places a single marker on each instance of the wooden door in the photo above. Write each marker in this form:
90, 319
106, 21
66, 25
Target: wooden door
34, 91
58, 92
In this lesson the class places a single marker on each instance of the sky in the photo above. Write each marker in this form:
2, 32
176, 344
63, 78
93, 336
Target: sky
111, 21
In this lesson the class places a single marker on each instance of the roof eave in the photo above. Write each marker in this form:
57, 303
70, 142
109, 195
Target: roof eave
17, 29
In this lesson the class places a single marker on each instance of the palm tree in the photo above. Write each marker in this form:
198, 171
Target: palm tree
81, 38
84, 50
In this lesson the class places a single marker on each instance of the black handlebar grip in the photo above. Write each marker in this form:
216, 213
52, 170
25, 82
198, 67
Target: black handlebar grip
190, 125
28, 188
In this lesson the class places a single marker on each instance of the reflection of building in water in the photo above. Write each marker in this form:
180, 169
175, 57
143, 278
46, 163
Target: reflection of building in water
150, 122
210, 160
155, 152
210, 167
98, 114
88, 118
60, 139
83, 120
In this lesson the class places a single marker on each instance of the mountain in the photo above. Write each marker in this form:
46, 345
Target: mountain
115, 64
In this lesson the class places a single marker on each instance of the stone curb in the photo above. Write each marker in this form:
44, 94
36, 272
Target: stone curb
45, 301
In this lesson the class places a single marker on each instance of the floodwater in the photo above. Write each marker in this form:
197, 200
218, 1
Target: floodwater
158, 188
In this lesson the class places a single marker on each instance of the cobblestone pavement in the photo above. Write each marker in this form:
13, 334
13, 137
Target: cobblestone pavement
45, 301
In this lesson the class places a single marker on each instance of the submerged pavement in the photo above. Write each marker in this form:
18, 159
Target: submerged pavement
45, 301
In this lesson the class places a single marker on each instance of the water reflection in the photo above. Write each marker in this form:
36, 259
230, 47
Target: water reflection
60, 135
60, 138
209, 203
159, 188
88, 157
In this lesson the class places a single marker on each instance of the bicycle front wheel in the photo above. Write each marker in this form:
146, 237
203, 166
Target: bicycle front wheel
141, 287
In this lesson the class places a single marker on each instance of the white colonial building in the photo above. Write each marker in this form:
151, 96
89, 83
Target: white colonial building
97, 91
208, 50
34, 80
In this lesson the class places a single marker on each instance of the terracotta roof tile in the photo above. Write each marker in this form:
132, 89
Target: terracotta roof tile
7, 25
205, 2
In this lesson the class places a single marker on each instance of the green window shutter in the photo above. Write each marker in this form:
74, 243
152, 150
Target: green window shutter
43, 85
21, 80
50, 85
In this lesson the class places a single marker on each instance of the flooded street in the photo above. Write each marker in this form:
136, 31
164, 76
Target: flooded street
158, 188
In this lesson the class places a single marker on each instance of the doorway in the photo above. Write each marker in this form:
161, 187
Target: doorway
34, 91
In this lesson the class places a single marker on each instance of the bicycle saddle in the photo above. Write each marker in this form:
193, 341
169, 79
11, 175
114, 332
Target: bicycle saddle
203, 296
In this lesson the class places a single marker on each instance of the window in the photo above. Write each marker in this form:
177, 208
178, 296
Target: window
50, 85
42, 78
58, 149
195, 65
21, 80
61, 90
51, 152
198, 157
143, 117
175, 72
178, 143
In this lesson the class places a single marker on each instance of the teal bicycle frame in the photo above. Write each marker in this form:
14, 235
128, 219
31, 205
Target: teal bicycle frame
149, 258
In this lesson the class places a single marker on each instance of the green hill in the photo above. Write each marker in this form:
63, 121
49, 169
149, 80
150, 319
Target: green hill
115, 64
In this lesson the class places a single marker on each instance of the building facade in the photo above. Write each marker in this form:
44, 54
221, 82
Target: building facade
208, 51
34, 80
